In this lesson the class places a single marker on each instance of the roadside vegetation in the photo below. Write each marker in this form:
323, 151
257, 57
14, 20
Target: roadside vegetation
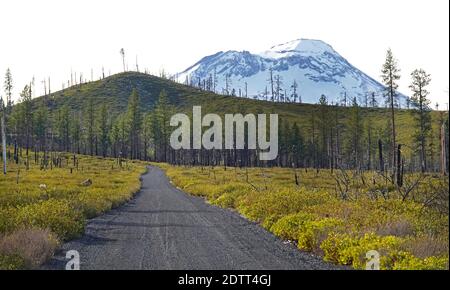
42, 207
340, 215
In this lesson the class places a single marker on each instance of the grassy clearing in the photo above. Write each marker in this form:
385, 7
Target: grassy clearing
407, 234
47, 207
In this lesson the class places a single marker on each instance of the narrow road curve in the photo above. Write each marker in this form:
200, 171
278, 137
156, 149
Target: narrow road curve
165, 228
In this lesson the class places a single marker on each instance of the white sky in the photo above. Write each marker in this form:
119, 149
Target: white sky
51, 37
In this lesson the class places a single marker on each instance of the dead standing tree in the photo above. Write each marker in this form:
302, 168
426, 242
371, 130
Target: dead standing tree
3, 124
122, 53
444, 148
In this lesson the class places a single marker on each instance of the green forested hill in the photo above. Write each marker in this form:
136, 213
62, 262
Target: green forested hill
115, 91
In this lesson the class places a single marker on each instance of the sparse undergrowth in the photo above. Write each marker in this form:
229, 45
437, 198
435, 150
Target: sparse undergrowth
47, 207
409, 234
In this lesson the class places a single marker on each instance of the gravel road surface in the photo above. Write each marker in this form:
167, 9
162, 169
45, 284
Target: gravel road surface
165, 228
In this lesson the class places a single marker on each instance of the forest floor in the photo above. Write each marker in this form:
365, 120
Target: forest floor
340, 215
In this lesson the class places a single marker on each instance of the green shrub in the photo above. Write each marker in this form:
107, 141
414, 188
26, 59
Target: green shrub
271, 220
312, 233
57, 215
11, 262
92, 204
333, 246
348, 250
289, 226
406, 261
7, 219
227, 199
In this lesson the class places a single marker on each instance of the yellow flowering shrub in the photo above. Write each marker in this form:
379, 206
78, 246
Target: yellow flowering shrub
313, 232
290, 226
406, 261
57, 215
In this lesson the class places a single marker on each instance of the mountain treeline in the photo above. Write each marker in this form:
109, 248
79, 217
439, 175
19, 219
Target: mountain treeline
332, 137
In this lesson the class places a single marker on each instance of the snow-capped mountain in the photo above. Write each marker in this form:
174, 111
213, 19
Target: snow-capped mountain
299, 70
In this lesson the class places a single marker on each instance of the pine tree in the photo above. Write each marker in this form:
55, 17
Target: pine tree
76, 132
294, 94
284, 143
271, 82
421, 111
26, 117
3, 133
297, 145
119, 136
63, 127
8, 86
122, 54
390, 75
134, 118
278, 87
324, 127
161, 125
373, 100
146, 133
41, 119
354, 132
90, 125
103, 129
371, 145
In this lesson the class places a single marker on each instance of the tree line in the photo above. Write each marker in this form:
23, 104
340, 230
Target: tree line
333, 137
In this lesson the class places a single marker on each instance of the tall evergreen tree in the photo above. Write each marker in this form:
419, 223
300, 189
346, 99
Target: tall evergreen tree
146, 133
421, 111
76, 132
390, 75
353, 140
325, 121
161, 125
297, 145
90, 125
103, 129
41, 119
3, 133
26, 117
8, 86
63, 127
134, 117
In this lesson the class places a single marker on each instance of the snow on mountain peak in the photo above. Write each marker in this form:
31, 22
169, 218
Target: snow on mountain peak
304, 69
298, 46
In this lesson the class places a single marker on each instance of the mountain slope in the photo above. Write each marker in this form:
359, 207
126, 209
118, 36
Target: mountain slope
116, 89
314, 65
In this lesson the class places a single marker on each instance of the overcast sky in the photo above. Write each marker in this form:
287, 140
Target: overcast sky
49, 38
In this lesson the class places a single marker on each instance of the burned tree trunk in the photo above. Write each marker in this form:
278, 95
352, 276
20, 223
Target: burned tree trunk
443, 151
399, 178
380, 154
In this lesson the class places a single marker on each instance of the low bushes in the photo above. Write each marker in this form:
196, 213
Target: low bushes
407, 234
61, 207
56, 215
290, 226
26, 248
314, 232
350, 250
